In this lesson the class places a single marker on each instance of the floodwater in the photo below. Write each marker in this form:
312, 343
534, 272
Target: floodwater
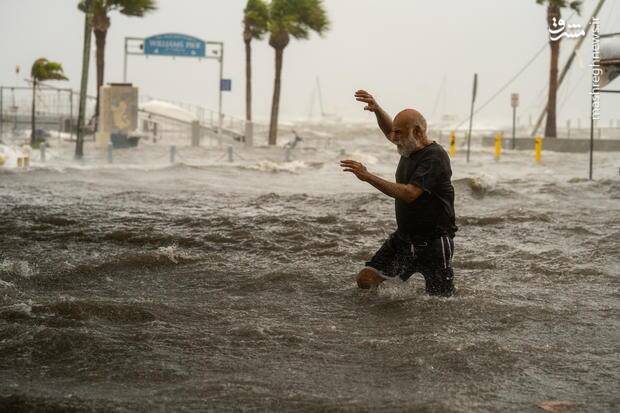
216, 285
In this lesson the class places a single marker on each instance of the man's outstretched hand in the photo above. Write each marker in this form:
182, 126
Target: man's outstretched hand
357, 168
404, 192
371, 103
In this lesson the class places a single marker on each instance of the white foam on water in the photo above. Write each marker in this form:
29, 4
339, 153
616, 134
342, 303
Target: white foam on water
396, 289
25, 307
363, 157
269, 166
17, 267
172, 253
9, 155
6, 284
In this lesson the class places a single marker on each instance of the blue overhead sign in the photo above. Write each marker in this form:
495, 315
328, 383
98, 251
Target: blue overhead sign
225, 85
174, 44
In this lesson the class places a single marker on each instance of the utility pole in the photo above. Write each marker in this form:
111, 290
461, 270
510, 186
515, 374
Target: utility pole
471, 114
88, 18
569, 62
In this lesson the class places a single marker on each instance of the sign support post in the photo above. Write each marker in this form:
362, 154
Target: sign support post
219, 105
514, 102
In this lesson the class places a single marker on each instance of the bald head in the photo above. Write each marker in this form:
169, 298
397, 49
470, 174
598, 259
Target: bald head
409, 131
411, 119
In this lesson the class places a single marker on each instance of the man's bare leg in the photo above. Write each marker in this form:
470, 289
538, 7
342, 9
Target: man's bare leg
368, 278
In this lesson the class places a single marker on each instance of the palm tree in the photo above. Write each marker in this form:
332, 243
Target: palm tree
554, 12
42, 70
79, 141
255, 20
101, 24
288, 18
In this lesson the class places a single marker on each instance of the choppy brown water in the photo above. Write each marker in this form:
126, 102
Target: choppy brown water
231, 287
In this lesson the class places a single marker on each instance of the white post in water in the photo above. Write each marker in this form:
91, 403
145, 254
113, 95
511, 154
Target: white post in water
230, 154
42, 149
195, 133
173, 151
249, 133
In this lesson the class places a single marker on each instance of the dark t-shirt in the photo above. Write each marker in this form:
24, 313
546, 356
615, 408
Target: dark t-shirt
431, 215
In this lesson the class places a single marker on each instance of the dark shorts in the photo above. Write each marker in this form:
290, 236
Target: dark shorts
399, 257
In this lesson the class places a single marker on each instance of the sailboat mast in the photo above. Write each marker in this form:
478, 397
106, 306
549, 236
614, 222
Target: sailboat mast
318, 85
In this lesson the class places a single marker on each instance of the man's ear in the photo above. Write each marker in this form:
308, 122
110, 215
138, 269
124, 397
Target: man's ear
417, 131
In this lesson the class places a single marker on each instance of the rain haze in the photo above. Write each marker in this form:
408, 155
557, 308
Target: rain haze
402, 50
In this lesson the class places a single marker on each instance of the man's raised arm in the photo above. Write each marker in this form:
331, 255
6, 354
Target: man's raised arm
383, 119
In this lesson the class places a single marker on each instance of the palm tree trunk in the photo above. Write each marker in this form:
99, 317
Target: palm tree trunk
100, 39
79, 142
32, 120
553, 11
275, 104
248, 81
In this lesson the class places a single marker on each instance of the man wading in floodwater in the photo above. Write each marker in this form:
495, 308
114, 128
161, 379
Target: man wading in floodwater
424, 197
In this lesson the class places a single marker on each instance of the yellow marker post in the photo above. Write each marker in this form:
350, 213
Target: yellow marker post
452, 144
538, 146
498, 145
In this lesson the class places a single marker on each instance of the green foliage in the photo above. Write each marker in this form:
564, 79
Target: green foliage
256, 18
297, 18
573, 5
137, 8
43, 69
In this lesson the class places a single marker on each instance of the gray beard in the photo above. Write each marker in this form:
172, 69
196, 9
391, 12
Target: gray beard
403, 151
409, 148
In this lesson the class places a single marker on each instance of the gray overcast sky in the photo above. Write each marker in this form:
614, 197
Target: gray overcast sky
400, 50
